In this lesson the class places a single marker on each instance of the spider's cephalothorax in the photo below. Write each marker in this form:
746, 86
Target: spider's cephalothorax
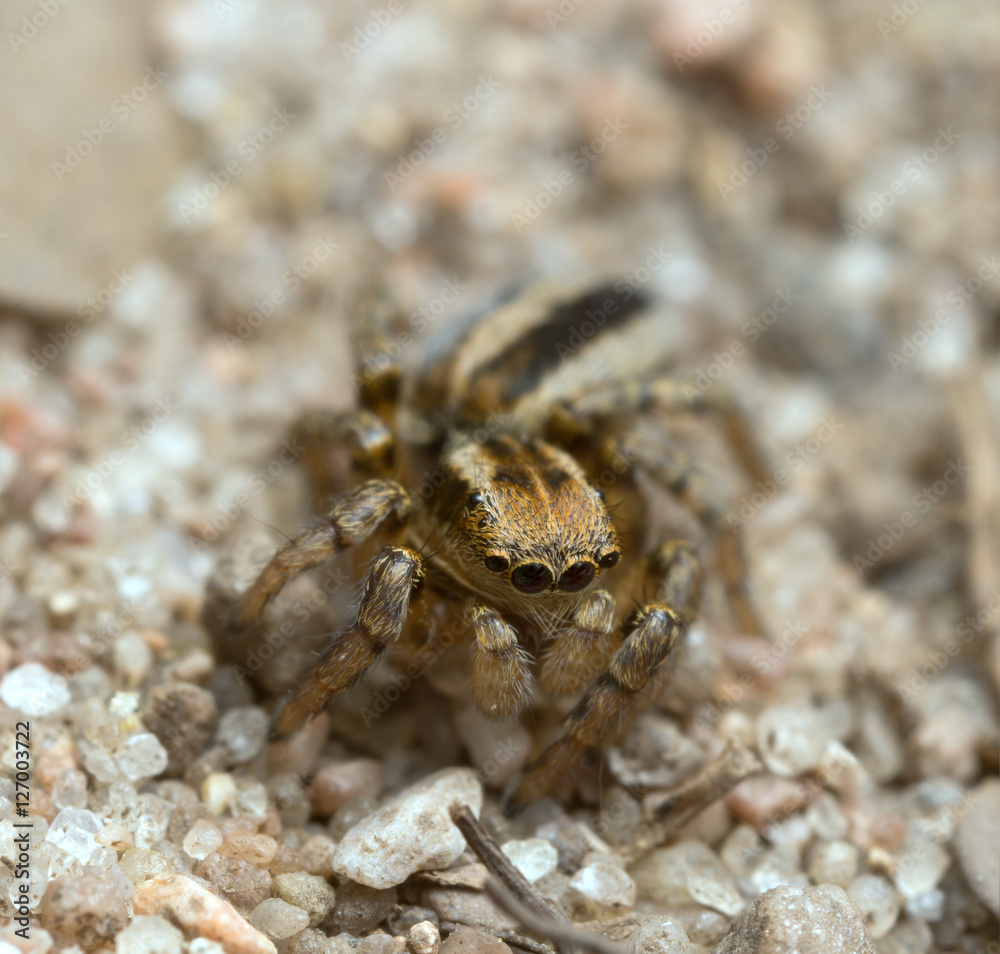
485, 470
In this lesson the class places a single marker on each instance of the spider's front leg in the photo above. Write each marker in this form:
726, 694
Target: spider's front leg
615, 699
501, 667
395, 575
352, 519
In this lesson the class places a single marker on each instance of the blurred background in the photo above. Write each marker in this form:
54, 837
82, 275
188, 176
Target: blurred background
191, 192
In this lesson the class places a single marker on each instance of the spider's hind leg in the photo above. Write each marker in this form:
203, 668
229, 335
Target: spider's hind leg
635, 671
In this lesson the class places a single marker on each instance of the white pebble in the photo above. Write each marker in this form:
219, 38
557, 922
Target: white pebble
141, 756
34, 690
218, 791
278, 919
411, 832
149, 935
603, 887
533, 857
202, 839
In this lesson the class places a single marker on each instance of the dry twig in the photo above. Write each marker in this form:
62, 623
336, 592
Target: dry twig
716, 780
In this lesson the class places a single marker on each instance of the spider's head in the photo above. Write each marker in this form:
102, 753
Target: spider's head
530, 528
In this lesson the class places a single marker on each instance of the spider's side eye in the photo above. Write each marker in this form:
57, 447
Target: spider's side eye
600, 494
531, 577
496, 563
577, 576
473, 500
608, 560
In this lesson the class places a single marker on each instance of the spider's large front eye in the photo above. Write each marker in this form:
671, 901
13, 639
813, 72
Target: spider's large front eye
577, 576
531, 577
496, 563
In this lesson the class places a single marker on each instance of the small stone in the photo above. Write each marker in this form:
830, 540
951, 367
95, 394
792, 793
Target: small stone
249, 846
920, 864
833, 862
182, 716
251, 800
877, 901
976, 838
202, 945
141, 864
132, 658
141, 756
86, 909
34, 690
820, 920
308, 942
411, 832
533, 857
218, 792
685, 872
74, 830
70, 789
199, 913
278, 919
359, 908
423, 938
908, 937
149, 935
791, 739
241, 883
602, 889
243, 732
379, 943
309, 892
659, 936
202, 839
341, 782
317, 855
465, 940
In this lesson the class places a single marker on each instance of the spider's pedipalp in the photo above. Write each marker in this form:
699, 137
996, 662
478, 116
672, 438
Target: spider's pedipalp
394, 576
581, 652
615, 699
353, 518
501, 673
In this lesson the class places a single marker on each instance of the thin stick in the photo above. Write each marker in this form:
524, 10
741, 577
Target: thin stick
499, 865
716, 780
565, 935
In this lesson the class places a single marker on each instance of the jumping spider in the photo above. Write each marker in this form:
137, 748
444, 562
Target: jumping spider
515, 419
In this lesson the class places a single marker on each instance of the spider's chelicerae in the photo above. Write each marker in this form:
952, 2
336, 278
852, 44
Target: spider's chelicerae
483, 471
